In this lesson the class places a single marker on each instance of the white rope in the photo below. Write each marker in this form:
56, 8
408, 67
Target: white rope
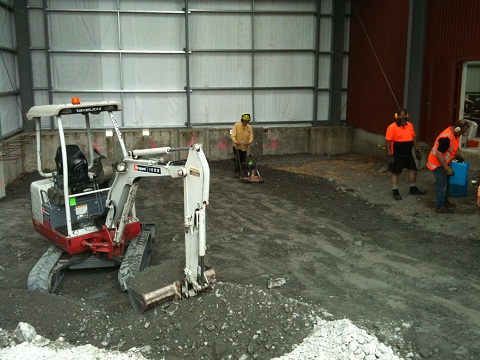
374, 53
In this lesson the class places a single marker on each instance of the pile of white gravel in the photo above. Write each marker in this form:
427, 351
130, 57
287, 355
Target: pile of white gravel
30, 351
330, 340
340, 339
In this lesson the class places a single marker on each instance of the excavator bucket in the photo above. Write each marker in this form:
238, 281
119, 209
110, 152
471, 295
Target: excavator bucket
143, 301
146, 289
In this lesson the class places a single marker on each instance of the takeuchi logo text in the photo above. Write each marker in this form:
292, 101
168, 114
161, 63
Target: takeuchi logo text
90, 109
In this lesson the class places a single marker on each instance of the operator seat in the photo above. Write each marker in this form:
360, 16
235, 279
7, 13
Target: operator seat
78, 178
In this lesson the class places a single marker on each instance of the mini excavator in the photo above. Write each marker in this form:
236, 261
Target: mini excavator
86, 208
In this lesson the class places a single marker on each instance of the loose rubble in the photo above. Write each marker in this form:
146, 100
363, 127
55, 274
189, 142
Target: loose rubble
226, 327
25, 343
292, 231
331, 340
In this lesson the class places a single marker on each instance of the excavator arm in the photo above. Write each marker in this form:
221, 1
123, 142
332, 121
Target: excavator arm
196, 177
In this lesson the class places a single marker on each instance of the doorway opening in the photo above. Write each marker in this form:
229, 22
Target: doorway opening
470, 93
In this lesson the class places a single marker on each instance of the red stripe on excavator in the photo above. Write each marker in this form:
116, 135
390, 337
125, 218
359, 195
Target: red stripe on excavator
98, 241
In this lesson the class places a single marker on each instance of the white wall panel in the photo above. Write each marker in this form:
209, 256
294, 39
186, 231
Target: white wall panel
85, 71
236, 70
230, 5
344, 105
7, 34
228, 31
10, 116
10, 113
79, 4
153, 72
220, 106
37, 28
325, 34
154, 110
152, 32
284, 31
345, 72
34, 2
150, 5
323, 113
83, 31
326, 6
284, 105
285, 5
346, 34
8, 72
324, 65
133, 51
39, 63
40, 97
284, 69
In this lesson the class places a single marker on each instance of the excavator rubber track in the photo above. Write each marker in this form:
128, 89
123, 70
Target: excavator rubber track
137, 257
49, 270
42, 277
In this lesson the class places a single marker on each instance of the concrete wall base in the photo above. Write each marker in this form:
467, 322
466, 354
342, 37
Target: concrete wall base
216, 143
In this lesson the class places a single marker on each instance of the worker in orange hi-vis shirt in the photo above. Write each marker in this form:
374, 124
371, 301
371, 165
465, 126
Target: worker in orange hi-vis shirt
443, 153
399, 141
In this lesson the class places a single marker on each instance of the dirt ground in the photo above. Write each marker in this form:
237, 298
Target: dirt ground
326, 224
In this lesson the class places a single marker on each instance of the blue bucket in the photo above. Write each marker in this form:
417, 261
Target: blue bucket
459, 181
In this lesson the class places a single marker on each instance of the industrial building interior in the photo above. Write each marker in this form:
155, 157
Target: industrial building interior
198, 64
160, 81
172, 68
471, 95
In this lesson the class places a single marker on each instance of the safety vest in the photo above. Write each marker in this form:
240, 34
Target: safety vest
449, 155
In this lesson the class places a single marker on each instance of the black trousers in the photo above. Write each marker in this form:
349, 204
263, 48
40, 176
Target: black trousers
240, 158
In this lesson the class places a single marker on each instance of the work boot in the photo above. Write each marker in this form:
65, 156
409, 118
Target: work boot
444, 210
396, 194
416, 191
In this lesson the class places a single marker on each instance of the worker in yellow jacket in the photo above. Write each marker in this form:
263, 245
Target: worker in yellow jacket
242, 137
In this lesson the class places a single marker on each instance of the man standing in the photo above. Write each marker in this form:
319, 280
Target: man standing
242, 137
399, 141
444, 151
